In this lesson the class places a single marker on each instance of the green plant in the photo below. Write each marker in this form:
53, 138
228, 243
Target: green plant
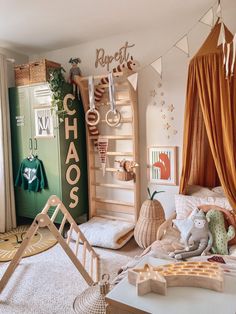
57, 83
151, 196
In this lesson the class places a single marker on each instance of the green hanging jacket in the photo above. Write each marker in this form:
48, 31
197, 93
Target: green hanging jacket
31, 175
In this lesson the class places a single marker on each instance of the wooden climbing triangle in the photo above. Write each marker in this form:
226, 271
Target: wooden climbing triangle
88, 266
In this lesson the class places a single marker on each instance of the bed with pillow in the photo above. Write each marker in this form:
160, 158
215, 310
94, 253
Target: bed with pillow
171, 234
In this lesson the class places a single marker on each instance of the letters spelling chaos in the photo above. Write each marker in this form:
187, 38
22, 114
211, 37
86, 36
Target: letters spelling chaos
121, 55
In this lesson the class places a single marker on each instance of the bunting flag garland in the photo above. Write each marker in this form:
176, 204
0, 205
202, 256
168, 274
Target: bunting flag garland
219, 11
157, 65
208, 18
182, 44
133, 79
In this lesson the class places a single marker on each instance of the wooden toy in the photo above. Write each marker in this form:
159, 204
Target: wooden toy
89, 269
102, 152
184, 274
126, 171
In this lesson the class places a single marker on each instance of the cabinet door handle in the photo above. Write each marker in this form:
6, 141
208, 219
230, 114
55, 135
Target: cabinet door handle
30, 144
35, 144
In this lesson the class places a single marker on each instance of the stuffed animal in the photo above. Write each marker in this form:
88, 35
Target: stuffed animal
199, 235
221, 237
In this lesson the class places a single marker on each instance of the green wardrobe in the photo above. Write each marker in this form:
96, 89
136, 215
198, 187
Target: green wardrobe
61, 148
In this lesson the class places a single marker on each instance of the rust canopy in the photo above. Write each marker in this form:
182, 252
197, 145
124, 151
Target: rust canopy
209, 127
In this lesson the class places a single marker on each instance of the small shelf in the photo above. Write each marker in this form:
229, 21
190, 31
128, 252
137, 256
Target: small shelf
114, 137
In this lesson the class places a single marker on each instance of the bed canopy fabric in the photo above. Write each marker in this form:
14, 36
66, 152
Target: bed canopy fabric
210, 120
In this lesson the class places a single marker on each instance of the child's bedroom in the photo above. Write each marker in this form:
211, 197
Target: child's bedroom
117, 157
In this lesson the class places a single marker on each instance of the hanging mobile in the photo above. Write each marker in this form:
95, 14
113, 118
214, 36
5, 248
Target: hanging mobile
92, 116
113, 116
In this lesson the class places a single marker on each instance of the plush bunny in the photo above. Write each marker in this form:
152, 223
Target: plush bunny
199, 235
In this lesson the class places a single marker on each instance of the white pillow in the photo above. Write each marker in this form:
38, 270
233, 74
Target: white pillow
232, 250
197, 190
219, 190
185, 204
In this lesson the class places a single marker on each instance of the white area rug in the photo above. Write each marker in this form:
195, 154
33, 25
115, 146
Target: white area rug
48, 283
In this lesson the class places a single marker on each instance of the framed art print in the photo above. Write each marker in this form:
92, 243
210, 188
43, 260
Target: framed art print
43, 122
163, 164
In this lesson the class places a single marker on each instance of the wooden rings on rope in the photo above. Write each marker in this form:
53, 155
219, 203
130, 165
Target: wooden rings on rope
92, 117
113, 117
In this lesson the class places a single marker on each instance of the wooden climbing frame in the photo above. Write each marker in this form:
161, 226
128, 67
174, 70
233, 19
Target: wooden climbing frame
88, 266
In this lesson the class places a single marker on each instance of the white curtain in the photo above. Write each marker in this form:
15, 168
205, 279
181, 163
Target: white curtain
7, 202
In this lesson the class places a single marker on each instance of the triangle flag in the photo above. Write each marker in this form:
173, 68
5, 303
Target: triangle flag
133, 79
182, 44
218, 11
157, 65
221, 39
208, 18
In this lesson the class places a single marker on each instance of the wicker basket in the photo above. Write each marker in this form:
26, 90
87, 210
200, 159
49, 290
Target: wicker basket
92, 300
39, 70
124, 175
151, 217
22, 76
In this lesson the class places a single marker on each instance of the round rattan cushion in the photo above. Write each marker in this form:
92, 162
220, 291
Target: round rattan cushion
151, 217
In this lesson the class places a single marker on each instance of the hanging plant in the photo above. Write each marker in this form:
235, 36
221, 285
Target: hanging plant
57, 84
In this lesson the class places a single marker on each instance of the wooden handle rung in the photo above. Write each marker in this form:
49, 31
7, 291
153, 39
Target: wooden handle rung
69, 234
77, 244
117, 84
91, 264
123, 120
63, 223
97, 77
55, 212
107, 169
102, 200
114, 186
115, 137
96, 260
123, 102
116, 218
116, 153
84, 253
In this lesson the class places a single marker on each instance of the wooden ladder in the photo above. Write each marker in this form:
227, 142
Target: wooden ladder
126, 102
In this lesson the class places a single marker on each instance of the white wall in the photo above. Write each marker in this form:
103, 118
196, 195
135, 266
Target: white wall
148, 47
19, 59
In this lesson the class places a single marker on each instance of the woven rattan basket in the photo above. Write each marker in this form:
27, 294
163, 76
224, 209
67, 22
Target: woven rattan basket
124, 175
92, 300
22, 76
39, 70
151, 217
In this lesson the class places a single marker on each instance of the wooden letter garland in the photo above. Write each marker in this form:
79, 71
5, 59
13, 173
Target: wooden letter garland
102, 151
121, 56
99, 91
184, 274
